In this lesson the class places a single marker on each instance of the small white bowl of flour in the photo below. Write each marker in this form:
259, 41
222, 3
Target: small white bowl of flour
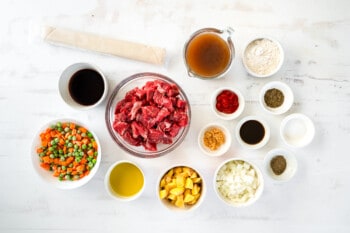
263, 57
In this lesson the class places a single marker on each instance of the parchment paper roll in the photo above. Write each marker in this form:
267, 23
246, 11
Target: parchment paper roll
121, 48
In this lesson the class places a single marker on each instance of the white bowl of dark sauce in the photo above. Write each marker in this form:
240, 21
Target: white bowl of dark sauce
252, 132
83, 86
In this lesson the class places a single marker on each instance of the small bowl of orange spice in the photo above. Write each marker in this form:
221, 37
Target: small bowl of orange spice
214, 139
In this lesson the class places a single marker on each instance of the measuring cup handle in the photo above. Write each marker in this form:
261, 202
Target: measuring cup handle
230, 31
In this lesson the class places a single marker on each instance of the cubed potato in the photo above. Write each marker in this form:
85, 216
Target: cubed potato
177, 191
163, 193
189, 183
180, 181
188, 198
180, 201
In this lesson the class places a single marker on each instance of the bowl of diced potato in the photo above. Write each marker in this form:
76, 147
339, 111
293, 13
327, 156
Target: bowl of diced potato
181, 188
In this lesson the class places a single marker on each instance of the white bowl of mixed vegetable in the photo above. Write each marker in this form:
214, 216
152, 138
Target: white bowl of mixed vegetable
65, 153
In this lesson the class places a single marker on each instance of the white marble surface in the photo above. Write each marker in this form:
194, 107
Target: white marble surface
315, 36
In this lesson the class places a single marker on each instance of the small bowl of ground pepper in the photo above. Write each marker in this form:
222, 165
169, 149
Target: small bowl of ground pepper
276, 97
227, 103
214, 139
280, 164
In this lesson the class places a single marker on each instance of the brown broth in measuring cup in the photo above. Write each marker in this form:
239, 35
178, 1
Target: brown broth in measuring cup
208, 55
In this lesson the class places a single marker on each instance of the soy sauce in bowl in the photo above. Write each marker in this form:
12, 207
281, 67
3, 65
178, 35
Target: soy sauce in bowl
252, 132
86, 87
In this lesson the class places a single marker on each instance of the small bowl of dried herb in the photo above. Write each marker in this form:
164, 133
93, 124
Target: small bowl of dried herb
280, 164
276, 97
214, 139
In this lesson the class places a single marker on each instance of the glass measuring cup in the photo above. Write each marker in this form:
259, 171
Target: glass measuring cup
209, 52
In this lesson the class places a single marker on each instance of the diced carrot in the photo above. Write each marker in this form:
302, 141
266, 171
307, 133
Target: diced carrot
46, 159
45, 166
83, 161
80, 168
85, 141
82, 129
90, 152
72, 125
56, 173
94, 145
39, 150
78, 137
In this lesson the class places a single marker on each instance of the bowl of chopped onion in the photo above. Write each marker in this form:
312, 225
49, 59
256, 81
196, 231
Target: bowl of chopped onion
238, 182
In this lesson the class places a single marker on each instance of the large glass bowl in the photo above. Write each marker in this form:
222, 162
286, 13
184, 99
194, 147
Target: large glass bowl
119, 92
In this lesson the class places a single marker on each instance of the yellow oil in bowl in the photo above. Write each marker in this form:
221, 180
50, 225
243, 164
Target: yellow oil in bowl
126, 180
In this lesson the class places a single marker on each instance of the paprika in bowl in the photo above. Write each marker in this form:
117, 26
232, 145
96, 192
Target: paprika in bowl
227, 103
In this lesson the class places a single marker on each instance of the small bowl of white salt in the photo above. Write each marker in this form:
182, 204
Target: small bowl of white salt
263, 57
297, 130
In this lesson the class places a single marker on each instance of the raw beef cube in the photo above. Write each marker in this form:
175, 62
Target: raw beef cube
120, 127
175, 129
132, 141
155, 135
163, 113
138, 129
150, 146
133, 111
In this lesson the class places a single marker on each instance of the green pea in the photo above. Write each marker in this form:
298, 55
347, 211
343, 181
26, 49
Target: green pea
90, 164
42, 154
60, 151
56, 140
74, 138
83, 135
84, 146
70, 144
70, 165
58, 124
68, 177
66, 129
60, 178
76, 146
94, 161
81, 153
63, 168
62, 158
89, 134
78, 131
52, 156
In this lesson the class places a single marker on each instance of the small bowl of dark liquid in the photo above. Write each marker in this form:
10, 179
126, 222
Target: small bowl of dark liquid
209, 52
252, 132
83, 86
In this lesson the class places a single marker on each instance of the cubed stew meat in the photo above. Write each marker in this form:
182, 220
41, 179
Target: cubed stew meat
151, 115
